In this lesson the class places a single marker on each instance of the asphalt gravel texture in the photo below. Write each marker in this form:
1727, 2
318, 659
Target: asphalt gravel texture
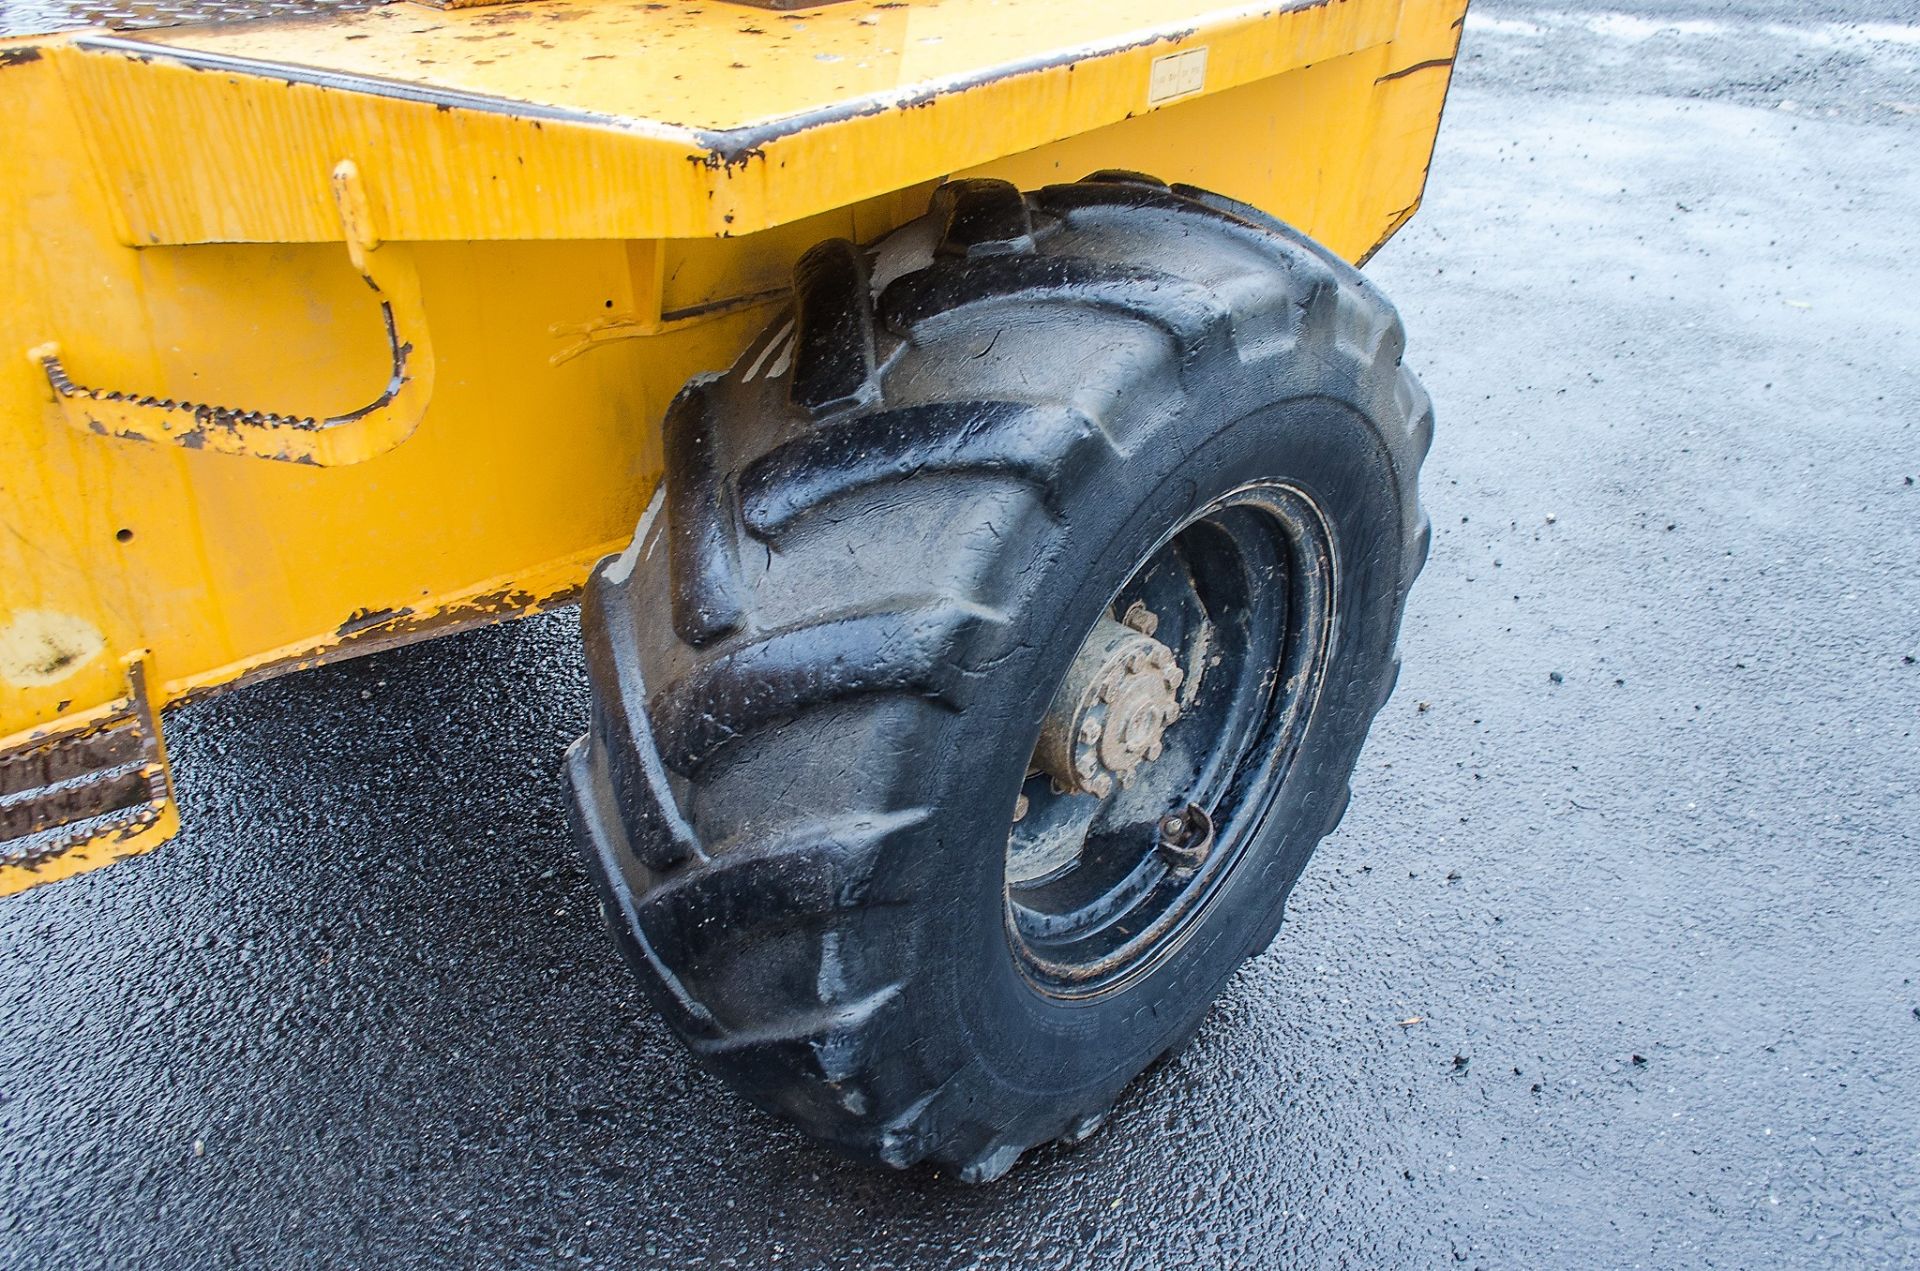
1615, 960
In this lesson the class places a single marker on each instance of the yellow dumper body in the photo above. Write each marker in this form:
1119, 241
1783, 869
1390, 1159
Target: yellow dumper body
336, 329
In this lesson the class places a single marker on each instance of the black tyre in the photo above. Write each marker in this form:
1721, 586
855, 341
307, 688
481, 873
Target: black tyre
1107, 485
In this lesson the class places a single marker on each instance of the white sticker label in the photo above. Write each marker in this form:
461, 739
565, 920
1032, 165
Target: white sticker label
1177, 75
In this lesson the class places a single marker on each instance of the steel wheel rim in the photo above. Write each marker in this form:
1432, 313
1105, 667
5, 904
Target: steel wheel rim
1243, 592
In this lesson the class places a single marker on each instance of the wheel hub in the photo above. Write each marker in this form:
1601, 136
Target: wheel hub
1112, 710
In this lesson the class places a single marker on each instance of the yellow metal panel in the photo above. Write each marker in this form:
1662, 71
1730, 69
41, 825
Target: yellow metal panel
696, 69
571, 271
499, 123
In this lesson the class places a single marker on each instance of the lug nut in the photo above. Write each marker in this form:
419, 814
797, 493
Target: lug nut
1141, 619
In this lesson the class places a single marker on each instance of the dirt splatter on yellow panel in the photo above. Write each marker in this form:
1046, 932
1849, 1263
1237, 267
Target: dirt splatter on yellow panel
39, 648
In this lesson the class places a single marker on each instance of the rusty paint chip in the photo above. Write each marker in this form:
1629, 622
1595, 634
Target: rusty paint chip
363, 619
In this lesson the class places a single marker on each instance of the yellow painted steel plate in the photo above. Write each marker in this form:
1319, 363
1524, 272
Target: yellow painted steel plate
711, 66
676, 118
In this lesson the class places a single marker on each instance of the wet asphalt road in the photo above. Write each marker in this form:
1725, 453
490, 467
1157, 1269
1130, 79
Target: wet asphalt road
1619, 968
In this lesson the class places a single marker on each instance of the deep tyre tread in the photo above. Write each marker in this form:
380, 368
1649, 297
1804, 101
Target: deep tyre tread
946, 288
819, 668
1035, 443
